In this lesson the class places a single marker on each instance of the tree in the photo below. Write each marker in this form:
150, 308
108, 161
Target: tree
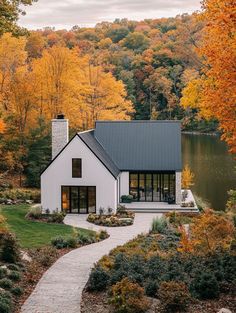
136, 41
216, 88
39, 153
10, 11
210, 232
231, 203
187, 177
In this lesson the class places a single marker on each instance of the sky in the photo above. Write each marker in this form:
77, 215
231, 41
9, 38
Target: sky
67, 13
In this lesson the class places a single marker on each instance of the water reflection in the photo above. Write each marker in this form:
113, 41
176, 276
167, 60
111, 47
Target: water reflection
212, 165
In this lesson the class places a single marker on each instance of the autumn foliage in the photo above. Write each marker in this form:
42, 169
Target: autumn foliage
208, 233
187, 177
214, 92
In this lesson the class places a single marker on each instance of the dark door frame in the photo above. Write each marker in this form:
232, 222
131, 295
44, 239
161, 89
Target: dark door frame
87, 192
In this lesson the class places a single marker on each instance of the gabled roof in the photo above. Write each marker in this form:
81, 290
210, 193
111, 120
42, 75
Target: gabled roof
141, 145
88, 138
134, 145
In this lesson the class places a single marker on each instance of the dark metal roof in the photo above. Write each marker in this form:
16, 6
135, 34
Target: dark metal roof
88, 138
141, 145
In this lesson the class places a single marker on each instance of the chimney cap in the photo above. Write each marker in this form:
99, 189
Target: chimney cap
60, 116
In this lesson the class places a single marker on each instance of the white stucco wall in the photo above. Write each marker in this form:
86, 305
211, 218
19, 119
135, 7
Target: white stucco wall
178, 194
94, 173
124, 183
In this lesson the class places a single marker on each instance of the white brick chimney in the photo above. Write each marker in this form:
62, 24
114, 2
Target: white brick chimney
60, 134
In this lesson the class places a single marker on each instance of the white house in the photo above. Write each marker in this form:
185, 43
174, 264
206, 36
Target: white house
97, 167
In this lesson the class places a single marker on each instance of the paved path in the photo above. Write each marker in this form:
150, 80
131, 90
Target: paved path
60, 288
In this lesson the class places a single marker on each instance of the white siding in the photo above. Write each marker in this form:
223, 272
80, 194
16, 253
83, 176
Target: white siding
178, 194
124, 183
94, 173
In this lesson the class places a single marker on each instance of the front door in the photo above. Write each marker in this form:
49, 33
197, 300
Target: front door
78, 199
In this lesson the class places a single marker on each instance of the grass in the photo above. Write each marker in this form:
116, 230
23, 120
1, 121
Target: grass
33, 234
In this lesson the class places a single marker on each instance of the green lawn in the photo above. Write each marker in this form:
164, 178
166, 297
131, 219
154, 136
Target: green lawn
33, 234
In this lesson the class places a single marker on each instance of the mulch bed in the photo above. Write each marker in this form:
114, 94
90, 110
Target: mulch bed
97, 302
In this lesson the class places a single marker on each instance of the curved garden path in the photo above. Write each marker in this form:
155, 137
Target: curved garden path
60, 288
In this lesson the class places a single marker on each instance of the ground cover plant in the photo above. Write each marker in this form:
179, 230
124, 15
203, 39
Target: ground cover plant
177, 270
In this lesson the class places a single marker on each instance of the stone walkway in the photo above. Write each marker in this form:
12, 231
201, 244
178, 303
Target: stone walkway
60, 288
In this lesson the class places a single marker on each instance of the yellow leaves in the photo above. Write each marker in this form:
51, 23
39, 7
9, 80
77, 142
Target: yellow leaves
187, 178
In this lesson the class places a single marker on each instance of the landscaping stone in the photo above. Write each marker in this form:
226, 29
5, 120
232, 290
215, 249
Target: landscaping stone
223, 310
60, 288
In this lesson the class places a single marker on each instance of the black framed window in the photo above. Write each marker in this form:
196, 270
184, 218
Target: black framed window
76, 168
152, 186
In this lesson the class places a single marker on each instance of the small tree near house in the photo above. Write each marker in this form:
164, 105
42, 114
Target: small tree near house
187, 177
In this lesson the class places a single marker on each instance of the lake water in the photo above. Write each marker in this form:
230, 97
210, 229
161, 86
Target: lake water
213, 167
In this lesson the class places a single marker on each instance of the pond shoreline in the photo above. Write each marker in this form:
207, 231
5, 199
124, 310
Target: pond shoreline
196, 132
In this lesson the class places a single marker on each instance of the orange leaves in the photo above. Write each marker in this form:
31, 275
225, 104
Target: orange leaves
2, 126
209, 232
215, 92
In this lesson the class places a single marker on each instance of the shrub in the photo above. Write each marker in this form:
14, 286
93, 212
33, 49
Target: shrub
126, 198
21, 194
151, 288
174, 296
17, 291
71, 242
34, 213
85, 239
159, 225
13, 267
56, 217
59, 242
6, 304
9, 248
128, 297
98, 279
103, 234
3, 272
205, 286
14, 275
6, 283
45, 256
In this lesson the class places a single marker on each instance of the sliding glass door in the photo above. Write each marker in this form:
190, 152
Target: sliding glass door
78, 199
152, 187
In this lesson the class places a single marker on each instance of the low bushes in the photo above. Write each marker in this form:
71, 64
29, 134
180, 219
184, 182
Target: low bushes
205, 286
98, 279
9, 249
78, 239
6, 302
174, 296
14, 196
121, 218
36, 213
159, 225
128, 297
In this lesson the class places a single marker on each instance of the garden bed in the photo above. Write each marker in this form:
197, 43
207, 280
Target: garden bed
44, 244
123, 217
167, 270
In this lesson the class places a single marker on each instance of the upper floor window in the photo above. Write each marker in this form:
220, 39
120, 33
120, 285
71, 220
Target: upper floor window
76, 168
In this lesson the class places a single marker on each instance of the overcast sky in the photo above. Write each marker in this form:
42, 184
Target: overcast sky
67, 13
